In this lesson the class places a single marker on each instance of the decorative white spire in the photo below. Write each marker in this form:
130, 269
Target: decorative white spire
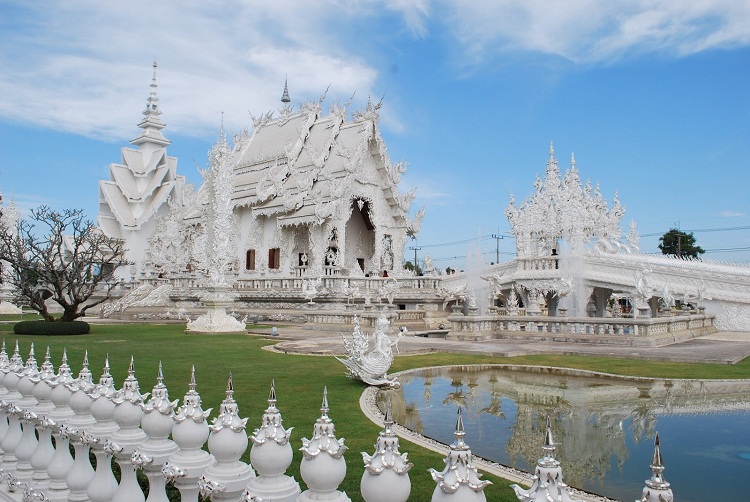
285, 96
152, 123
656, 489
271, 427
228, 412
130, 390
271, 454
547, 480
386, 471
460, 474
106, 385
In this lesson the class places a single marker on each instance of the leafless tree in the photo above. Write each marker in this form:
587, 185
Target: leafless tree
61, 256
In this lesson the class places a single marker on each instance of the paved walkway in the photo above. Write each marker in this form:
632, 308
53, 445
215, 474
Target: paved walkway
721, 348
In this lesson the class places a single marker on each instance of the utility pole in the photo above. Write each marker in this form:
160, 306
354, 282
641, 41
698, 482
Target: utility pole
415, 248
497, 247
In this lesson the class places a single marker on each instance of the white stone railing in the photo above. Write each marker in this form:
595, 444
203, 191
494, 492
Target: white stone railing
334, 282
42, 413
612, 326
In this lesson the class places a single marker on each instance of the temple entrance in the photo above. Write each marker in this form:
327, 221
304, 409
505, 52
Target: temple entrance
360, 238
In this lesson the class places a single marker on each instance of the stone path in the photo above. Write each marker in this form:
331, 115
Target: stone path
721, 348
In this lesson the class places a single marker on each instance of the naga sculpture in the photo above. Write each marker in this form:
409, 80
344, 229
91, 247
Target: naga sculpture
367, 363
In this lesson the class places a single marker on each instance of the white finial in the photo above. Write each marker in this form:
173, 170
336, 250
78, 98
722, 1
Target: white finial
192, 385
285, 96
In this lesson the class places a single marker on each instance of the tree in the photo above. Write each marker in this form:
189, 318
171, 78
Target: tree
73, 264
408, 265
679, 243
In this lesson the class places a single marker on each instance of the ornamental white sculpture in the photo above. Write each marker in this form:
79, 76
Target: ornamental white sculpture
323, 467
460, 479
656, 489
547, 481
220, 245
227, 478
371, 364
271, 455
386, 476
186, 466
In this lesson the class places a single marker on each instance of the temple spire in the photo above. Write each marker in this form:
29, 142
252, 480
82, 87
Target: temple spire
151, 123
285, 96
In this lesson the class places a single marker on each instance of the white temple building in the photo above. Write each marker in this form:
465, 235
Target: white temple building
311, 192
318, 229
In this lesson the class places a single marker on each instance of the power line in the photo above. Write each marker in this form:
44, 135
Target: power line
716, 229
465, 241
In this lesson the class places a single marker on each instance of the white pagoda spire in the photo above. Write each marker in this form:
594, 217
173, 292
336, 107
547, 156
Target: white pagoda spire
285, 96
151, 123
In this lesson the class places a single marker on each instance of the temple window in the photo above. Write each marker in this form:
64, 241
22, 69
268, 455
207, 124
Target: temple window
250, 259
274, 261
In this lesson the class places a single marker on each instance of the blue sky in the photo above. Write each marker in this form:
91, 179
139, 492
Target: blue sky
653, 96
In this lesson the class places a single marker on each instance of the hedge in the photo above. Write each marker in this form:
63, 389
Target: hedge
51, 328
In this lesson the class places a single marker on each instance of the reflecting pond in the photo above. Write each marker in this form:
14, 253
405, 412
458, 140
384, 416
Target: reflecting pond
603, 425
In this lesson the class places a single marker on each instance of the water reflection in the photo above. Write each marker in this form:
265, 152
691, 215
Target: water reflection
604, 426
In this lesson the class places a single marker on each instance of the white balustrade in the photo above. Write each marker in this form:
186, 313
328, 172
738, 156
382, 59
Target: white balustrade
137, 433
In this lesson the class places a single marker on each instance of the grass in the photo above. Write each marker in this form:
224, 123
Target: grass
299, 383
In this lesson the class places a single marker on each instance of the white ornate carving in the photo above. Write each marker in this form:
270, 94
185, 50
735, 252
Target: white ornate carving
371, 364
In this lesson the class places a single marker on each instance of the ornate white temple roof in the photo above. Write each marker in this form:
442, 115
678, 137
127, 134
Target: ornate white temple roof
561, 207
301, 166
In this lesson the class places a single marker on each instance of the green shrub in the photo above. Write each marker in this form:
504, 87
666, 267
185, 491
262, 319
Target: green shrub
51, 328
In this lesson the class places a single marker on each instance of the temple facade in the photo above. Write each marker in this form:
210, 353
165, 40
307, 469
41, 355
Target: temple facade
312, 194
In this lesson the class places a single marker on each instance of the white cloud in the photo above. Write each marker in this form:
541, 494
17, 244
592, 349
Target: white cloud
732, 214
593, 31
84, 67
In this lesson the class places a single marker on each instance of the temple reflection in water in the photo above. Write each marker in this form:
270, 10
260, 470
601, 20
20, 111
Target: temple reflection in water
604, 426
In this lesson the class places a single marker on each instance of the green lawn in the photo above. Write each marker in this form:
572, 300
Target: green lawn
299, 383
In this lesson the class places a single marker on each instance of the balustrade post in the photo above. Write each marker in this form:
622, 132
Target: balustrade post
657, 488
60, 463
29, 442
323, 467
228, 477
271, 454
129, 436
13, 434
4, 364
103, 485
547, 482
73, 486
386, 476
459, 481
190, 431
44, 425
12, 438
153, 453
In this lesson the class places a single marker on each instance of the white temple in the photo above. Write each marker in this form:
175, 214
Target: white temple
310, 192
315, 226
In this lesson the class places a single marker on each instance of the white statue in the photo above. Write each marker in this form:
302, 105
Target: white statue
310, 289
371, 364
429, 267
